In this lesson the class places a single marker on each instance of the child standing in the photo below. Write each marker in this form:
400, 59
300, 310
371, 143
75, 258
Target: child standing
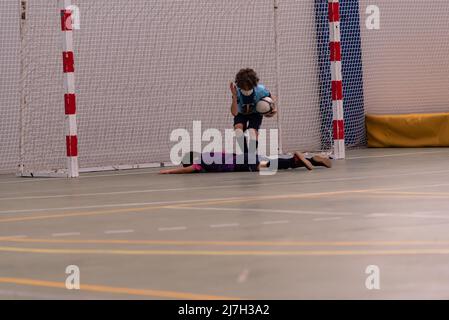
246, 93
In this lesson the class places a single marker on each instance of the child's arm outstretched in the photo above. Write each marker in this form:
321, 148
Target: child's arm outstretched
182, 170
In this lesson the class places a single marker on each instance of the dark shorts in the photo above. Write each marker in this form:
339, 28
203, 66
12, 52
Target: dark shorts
246, 163
249, 121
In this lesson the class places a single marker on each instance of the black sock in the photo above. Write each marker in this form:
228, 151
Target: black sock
245, 145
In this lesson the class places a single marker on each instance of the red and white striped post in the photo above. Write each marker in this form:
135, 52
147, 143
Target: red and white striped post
337, 79
69, 87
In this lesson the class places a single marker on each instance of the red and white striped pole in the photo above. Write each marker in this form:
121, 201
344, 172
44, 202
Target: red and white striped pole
337, 83
69, 87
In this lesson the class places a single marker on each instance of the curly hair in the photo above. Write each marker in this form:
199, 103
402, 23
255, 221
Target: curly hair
246, 78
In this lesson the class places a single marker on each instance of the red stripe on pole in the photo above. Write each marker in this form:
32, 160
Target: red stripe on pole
70, 103
335, 48
72, 146
339, 129
337, 90
334, 12
69, 61
66, 20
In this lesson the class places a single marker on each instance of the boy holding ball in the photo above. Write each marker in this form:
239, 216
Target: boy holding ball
246, 94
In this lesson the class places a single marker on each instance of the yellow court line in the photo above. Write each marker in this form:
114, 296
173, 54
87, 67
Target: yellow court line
412, 193
199, 202
80, 214
228, 243
115, 290
230, 252
378, 195
276, 197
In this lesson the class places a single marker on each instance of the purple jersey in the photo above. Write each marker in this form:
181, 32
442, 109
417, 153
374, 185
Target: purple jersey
223, 162
216, 162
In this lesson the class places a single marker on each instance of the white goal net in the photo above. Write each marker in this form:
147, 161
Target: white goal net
9, 86
144, 68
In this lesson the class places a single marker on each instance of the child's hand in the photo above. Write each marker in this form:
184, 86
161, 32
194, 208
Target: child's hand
275, 111
271, 114
233, 88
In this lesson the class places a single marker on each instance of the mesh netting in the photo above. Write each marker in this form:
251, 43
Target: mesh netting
305, 126
9, 86
145, 68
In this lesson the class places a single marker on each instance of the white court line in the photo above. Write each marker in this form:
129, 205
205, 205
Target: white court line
224, 225
243, 210
25, 180
301, 212
103, 206
275, 222
425, 216
172, 228
118, 231
228, 186
67, 234
193, 201
327, 219
16, 237
387, 214
156, 171
96, 194
419, 215
86, 176
377, 215
231, 186
397, 155
35, 295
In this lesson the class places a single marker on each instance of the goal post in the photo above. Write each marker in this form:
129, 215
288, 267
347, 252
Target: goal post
147, 68
68, 61
336, 78
68, 94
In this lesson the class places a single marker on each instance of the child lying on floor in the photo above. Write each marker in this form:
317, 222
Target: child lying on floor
230, 163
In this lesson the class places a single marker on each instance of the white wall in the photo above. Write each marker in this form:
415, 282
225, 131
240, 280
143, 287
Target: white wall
406, 62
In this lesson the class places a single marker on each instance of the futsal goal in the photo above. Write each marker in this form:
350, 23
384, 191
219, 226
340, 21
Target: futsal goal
103, 83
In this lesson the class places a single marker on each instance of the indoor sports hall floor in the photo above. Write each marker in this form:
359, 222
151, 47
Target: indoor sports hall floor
294, 235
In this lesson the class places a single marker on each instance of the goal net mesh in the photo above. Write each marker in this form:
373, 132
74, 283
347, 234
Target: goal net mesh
144, 68
9, 87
